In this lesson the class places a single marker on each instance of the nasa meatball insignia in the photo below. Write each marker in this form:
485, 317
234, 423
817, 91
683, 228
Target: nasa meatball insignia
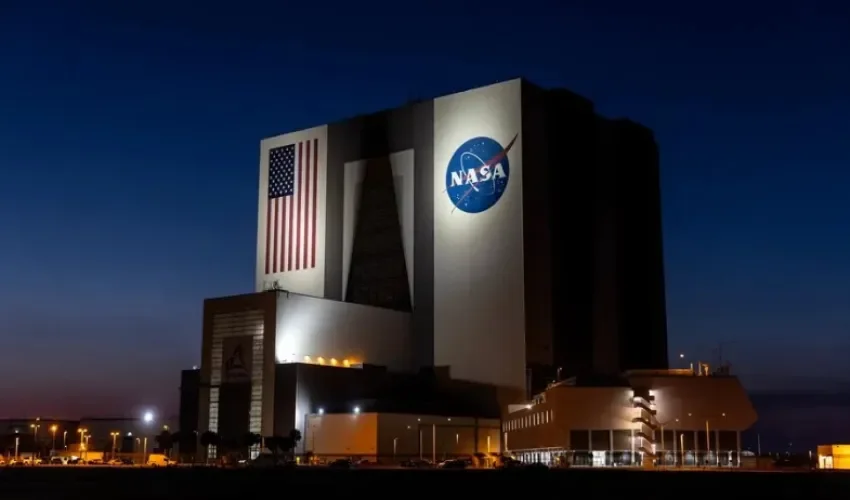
478, 174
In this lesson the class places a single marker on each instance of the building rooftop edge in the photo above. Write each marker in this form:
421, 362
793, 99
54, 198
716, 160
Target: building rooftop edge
417, 100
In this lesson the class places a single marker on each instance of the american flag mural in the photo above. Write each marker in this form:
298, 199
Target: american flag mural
292, 206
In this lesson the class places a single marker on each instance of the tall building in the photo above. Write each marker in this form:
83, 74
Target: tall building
507, 233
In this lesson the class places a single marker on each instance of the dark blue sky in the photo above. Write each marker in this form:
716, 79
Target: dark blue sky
129, 143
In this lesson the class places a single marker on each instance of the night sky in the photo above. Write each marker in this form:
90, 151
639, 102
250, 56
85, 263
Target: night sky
129, 146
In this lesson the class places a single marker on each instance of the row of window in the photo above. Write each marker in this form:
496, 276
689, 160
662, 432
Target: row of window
530, 420
555, 457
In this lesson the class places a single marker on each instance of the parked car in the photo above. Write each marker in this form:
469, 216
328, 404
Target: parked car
418, 463
342, 463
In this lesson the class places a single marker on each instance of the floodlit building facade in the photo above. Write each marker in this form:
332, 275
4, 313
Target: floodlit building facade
507, 234
393, 437
834, 456
644, 418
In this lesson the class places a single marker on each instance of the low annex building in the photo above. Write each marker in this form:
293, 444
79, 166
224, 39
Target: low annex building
394, 437
646, 417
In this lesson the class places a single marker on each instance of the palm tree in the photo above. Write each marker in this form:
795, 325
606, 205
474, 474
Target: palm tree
295, 436
251, 439
165, 440
293, 439
274, 445
208, 439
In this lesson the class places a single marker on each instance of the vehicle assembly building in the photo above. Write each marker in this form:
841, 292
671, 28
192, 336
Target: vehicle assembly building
474, 247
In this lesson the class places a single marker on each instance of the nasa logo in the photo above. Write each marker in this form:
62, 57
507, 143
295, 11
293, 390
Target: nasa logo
478, 174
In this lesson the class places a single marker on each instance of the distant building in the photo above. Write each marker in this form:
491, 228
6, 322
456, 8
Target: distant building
131, 434
36, 434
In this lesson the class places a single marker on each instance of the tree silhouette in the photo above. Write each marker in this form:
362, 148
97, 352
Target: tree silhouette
295, 437
275, 445
165, 440
251, 439
290, 442
210, 438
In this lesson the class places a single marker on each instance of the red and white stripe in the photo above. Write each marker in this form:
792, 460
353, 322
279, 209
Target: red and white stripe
291, 220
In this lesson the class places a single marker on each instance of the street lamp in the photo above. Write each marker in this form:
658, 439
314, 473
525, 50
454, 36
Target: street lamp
65, 439
147, 418
83, 441
53, 429
35, 427
114, 446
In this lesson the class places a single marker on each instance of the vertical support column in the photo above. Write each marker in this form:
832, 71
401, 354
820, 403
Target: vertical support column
633, 444
590, 442
609, 460
675, 448
717, 446
738, 448
696, 447
434, 443
475, 438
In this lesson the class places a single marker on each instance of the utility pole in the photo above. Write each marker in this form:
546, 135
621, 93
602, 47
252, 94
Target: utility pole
720, 346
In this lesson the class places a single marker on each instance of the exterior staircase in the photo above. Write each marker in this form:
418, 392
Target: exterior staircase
641, 403
648, 424
648, 438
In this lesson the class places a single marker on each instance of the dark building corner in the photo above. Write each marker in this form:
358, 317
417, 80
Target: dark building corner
190, 386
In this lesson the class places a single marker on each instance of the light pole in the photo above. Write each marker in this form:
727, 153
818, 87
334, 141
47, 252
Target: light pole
53, 429
82, 433
114, 446
147, 418
65, 439
35, 438
17, 445
434, 444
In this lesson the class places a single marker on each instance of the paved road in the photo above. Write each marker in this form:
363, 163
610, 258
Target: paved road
94, 483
